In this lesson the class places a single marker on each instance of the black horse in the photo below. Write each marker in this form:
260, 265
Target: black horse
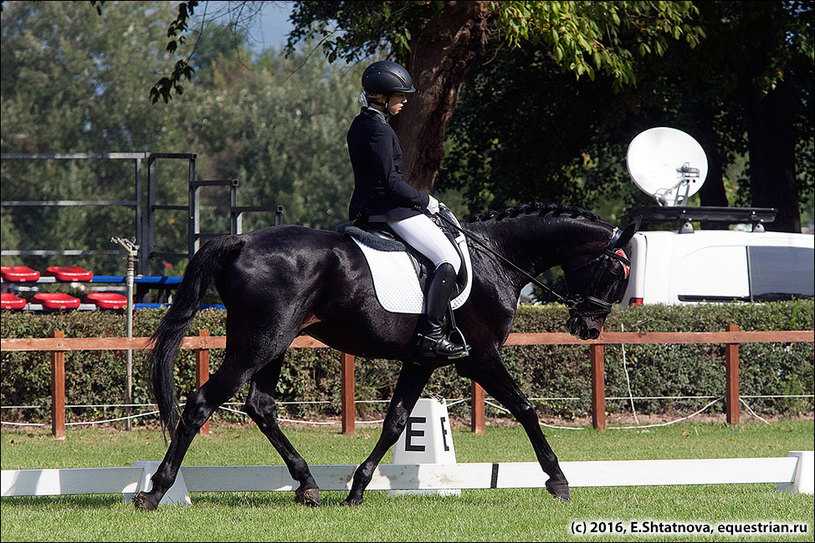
282, 281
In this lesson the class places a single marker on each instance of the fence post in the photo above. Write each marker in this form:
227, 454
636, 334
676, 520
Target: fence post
202, 372
732, 377
478, 421
598, 387
348, 394
58, 389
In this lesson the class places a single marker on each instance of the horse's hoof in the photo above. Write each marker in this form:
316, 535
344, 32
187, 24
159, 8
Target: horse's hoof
308, 496
143, 502
350, 502
558, 489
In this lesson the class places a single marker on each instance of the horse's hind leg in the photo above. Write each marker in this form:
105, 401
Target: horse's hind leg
260, 406
412, 381
201, 403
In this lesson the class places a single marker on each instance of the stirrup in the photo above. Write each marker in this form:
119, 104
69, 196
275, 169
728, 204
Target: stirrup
463, 342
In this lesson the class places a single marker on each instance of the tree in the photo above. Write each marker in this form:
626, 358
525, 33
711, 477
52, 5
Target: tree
71, 83
499, 119
441, 41
523, 131
438, 42
773, 62
279, 127
165, 86
745, 92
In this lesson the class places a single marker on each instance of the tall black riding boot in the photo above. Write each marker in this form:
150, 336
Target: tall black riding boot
432, 341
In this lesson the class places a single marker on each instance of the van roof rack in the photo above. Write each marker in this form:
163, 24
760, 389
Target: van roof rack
756, 216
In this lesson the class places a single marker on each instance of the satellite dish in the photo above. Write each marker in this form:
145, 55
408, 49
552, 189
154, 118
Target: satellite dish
667, 164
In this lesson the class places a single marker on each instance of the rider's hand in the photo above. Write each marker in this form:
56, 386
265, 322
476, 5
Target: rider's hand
432, 205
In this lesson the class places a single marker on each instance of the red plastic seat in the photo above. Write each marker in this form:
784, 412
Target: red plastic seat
69, 273
107, 300
11, 301
57, 300
19, 273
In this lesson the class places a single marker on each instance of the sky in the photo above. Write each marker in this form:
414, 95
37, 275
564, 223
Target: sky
272, 26
269, 20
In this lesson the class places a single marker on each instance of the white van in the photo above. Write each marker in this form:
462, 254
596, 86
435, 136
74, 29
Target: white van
686, 266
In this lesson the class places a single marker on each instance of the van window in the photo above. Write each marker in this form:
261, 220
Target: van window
713, 274
779, 273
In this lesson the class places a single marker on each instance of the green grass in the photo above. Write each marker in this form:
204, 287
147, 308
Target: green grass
476, 515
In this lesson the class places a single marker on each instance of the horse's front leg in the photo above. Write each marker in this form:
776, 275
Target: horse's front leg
260, 406
412, 381
491, 374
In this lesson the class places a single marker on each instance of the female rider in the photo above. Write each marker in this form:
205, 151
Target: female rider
381, 195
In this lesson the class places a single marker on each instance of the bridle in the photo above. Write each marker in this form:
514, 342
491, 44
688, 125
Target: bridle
593, 305
585, 306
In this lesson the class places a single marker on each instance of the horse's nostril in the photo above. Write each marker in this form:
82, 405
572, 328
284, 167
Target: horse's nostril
594, 333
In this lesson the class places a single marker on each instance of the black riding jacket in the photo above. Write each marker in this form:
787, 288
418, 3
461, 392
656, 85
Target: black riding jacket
381, 193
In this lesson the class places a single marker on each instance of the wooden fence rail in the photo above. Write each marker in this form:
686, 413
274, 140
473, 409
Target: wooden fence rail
202, 343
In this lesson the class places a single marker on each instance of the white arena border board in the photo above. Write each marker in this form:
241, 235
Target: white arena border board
794, 473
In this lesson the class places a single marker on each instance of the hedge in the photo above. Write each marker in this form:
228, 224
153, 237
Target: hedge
313, 374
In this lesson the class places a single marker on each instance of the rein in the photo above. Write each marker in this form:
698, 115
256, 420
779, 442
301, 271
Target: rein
608, 252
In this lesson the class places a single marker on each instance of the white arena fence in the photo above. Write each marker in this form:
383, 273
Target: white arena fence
792, 473
424, 461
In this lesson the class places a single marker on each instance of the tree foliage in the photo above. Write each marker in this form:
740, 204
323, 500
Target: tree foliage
586, 37
528, 124
753, 78
507, 144
72, 83
353, 31
165, 86
280, 127
583, 36
440, 41
572, 143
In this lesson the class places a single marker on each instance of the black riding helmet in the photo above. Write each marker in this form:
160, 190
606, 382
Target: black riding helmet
386, 77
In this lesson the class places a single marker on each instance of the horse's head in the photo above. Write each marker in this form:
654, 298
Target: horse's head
596, 282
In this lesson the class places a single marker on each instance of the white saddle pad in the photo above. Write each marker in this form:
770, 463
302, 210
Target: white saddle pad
395, 281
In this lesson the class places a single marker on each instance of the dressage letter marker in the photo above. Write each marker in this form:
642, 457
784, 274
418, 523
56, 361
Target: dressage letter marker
426, 440
411, 432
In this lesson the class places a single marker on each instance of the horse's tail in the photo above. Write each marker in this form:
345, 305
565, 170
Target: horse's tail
204, 266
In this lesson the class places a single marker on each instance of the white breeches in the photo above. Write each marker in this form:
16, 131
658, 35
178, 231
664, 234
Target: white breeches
424, 236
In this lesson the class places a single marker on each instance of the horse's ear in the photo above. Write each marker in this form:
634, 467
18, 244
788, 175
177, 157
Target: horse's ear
628, 233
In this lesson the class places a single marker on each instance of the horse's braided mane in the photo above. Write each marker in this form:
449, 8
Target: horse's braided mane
540, 208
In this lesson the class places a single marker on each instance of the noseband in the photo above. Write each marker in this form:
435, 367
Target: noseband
591, 305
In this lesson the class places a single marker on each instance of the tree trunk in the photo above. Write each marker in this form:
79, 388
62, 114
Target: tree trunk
771, 144
440, 56
712, 193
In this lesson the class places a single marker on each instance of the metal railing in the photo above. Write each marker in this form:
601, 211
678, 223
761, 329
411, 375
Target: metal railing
144, 223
